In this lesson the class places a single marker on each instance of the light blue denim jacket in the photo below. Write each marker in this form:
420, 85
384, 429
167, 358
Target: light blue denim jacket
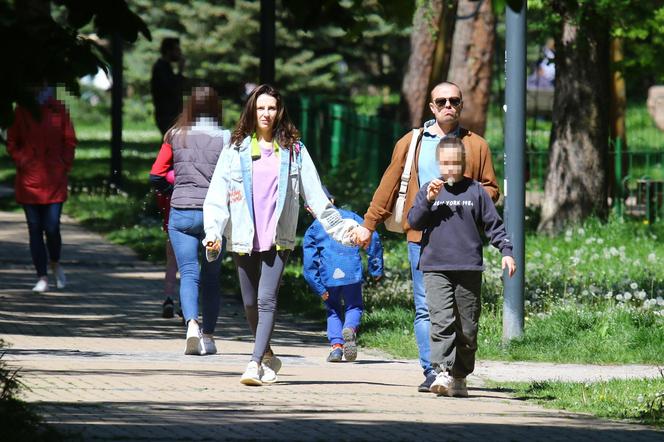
228, 209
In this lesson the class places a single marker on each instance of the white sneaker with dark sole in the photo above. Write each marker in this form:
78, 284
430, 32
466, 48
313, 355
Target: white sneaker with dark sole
252, 375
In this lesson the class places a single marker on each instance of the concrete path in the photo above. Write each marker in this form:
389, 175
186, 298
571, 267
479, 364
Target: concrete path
100, 362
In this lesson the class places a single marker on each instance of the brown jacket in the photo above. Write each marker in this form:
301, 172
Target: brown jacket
479, 167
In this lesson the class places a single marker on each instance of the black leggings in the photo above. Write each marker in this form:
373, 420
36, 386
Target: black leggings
260, 276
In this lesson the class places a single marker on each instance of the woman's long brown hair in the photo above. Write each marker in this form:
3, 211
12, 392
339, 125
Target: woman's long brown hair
203, 102
285, 133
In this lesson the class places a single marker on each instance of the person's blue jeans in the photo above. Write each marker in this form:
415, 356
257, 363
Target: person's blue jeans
185, 229
44, 218
422, 324
346, 316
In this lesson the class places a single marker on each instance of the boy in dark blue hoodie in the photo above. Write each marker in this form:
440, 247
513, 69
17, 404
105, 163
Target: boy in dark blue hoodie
451, 211
334, 272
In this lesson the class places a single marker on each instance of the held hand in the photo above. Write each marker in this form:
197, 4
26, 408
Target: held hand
361, 236
509, 262
433, 189
324, 296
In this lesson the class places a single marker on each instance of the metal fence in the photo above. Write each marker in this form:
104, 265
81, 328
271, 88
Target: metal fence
334, 132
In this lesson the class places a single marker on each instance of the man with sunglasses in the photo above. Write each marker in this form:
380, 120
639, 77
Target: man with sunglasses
446, 105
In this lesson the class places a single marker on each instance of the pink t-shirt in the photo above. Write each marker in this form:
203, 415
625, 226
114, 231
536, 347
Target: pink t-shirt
265, 179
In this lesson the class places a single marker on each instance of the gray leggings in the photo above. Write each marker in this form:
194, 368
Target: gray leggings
260, 275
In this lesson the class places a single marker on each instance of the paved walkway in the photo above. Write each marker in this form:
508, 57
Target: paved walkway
101, 362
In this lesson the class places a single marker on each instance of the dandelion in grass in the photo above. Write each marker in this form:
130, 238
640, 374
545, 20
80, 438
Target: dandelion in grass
537, 253
609, 294
652, 257
600, 241
619, 297
581, 231
660, 301
633, 286
627, 296
640, 295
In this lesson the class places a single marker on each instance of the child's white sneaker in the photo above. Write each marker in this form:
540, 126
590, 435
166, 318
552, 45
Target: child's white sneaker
41, 286
193, 346
442, 383
252, 375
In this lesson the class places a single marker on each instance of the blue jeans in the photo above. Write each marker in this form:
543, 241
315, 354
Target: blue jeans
422, 324
44, 218
351, 312
185, 229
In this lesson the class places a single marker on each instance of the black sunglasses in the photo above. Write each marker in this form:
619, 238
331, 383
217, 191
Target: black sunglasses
442, 101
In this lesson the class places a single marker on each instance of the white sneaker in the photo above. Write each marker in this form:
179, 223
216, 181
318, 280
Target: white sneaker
41, 286
252, 375
208, 346
193, 346
273, 362
60, 278
268, 376
458, 388
442, 383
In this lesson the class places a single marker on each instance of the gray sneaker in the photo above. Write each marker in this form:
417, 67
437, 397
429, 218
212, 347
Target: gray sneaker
458, 388
350, 346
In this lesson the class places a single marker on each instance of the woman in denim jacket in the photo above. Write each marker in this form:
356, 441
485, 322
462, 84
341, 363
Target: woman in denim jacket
253, 201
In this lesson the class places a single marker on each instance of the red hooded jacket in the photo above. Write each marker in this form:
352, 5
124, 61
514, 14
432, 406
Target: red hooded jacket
43, 152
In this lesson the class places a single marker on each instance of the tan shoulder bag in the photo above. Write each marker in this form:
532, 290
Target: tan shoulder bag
395, 222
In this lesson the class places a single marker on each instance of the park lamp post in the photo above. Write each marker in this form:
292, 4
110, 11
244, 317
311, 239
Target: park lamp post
515, 142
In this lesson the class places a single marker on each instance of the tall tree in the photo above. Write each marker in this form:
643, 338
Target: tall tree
576, 182
471, 60
423, 39
42, 48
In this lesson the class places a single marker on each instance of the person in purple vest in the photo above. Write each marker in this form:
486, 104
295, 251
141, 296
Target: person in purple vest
196, 140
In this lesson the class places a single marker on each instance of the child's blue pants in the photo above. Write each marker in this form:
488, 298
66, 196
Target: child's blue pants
346, 316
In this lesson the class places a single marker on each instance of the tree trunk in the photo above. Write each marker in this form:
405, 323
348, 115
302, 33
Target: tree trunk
576, 182
618, 113
423, 39
471, 61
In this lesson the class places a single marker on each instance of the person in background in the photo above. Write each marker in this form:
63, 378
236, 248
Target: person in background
334, 272
167, 89
254, 203
195, 142
42, 147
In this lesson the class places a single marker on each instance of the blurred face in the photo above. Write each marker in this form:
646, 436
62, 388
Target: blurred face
175, 53
450, 163
266, 112
446, 104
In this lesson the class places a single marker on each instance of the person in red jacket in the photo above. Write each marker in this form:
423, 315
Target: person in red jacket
163, 168
42, 147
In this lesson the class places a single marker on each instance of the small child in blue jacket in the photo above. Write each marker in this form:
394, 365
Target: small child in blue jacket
335, 273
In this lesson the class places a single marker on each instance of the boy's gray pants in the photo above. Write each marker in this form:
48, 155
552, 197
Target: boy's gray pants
453, 298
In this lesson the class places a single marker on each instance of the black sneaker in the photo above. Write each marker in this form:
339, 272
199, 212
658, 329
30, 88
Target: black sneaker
167, 308
428, 380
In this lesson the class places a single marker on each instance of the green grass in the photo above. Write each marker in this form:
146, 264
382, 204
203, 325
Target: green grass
637, 400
